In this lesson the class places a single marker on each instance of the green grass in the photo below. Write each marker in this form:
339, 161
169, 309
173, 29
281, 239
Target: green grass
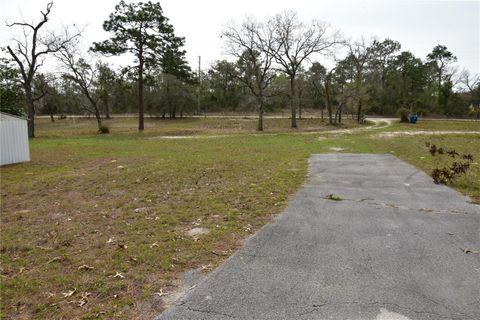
122, 203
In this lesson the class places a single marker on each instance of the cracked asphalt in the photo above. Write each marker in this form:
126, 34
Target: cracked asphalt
391, 249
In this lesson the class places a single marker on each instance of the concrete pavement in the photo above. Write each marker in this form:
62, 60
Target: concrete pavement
393, 248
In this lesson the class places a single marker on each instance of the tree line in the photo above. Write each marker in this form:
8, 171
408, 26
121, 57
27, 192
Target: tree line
272, 65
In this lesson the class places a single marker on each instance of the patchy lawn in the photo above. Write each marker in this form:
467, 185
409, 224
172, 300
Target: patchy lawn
95, 225
179, 127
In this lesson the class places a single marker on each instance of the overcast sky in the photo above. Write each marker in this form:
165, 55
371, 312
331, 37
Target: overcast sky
417, 25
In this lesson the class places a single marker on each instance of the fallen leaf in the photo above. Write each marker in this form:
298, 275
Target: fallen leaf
207, 267
69, 293
161, 293
467, 251
85, 267
83, 299
155, 244
119, 275
247, 228
222, 253
54, 259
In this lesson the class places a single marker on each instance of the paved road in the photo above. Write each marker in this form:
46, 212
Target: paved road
390, 250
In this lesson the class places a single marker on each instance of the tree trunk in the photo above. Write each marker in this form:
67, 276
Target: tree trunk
382, 86
340, 113
359, 111
30, 111
328, 104
260, 114
107, 109
292, 102
99, 119
329, 111
141, 125
52, 118
439, 99
321, 114
300, 104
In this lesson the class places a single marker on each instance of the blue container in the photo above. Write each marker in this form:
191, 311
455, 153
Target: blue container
413, 119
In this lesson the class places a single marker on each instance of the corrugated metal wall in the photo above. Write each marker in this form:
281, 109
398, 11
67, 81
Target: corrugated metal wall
14, 140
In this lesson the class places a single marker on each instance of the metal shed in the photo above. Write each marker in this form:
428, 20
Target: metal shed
14, 139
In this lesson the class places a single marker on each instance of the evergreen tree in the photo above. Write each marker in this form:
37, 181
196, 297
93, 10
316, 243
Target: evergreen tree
142, 30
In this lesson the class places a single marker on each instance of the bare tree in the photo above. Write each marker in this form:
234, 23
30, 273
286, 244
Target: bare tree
328, 87
354, 71
294, 42
84, 75
29, 52
250, 43
472, 84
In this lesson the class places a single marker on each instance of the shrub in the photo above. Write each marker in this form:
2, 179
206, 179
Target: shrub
403, 113
104, 129
450, 172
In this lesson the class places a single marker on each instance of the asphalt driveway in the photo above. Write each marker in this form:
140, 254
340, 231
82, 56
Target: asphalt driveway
388, 244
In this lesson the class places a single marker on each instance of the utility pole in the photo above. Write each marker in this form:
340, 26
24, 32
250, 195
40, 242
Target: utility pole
199, 83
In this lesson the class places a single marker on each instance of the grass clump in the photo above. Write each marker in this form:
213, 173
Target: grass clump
104, 129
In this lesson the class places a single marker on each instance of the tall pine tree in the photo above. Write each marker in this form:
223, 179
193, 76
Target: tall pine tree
142, 29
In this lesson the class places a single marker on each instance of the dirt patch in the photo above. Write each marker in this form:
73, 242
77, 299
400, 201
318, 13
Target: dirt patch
379, 123
197, 232
189, 137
